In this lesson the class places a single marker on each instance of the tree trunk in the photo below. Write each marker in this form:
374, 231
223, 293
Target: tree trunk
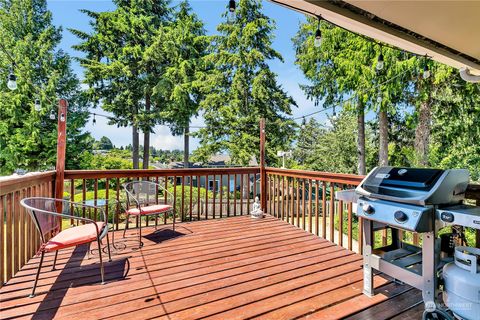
146, 137
186, 146
383, 137
361, 139
135, 143
422, 134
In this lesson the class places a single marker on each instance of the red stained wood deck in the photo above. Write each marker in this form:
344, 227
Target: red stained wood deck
233, 268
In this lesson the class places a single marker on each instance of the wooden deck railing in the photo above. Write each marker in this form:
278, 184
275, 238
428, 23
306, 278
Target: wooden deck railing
19, 237
230, 190
305, 199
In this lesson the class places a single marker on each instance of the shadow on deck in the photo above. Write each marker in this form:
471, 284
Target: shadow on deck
232, 268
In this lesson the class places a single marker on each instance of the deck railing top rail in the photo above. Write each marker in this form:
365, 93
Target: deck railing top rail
15, 183
132, 173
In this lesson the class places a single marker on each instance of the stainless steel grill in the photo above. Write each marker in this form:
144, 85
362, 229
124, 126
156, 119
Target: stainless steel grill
418, 200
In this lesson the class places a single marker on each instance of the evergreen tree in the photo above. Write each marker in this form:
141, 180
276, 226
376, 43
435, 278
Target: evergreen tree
184, 47
29, 44
343, 68
119, 69
241, 89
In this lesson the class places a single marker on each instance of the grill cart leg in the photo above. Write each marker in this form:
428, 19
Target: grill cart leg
429, 263
367, 261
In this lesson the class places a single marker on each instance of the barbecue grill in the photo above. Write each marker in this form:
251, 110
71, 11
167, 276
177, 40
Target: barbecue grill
418, 200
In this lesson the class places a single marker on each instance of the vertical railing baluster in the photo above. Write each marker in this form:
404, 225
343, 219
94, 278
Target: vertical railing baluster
183, 199
248, 193
84, 196
206, 197
304, 207
175, 194
9, 237
221, 195
292, 201
332, 212
166, 200
95, 196
235, 195
22, 230
310, 203
297, 199
199, 202
191, 200
282, 194
117, 205
228, 196
340, 222
350, 240
72, 197
214, 195
317, 209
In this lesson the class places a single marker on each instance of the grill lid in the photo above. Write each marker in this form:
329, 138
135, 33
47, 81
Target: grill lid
419, 186
411, 178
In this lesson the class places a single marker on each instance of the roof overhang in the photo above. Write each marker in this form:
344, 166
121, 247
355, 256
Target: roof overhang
446, 31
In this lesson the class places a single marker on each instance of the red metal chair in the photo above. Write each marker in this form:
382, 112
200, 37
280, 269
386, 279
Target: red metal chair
143, 200
47, 214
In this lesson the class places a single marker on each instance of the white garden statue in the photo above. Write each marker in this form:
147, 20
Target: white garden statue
257, 212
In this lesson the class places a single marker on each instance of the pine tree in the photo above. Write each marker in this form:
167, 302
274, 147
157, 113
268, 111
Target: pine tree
240, 89
119, 70
178, 90
343, 68
29, 44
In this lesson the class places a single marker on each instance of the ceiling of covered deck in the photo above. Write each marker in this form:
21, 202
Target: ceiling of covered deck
446, 31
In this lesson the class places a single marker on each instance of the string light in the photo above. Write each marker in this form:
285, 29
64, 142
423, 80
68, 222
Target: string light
380, 62
318, 36
94, 120
232, 6
62, 117
304, 122
379, 97
38, 105
426, 70
12, 80
334, 114
52, 115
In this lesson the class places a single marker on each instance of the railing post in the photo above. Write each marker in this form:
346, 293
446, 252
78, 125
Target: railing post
263, 176
61, 149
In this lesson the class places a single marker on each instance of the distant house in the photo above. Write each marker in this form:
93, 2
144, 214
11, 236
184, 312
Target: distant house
230, 182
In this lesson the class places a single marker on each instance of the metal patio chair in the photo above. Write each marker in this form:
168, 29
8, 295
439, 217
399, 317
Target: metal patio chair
47, 215
143, 200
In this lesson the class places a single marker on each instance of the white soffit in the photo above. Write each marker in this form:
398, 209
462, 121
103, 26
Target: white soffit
446, 31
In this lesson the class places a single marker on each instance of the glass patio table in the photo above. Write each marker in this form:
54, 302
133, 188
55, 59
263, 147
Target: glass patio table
104, 203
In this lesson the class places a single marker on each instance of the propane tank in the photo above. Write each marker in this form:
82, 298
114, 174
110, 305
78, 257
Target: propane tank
462, 283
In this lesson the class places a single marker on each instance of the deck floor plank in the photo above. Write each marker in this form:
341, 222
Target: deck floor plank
231, 268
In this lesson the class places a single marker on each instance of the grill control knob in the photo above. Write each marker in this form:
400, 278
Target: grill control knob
368, 209
400, 216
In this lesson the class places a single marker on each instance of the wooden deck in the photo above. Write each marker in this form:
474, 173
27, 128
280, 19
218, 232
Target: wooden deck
233, 268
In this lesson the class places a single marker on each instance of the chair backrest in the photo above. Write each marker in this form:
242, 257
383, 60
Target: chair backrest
142, 192
43, 212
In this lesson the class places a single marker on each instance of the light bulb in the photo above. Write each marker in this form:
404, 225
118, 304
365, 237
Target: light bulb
426, 72
38, 105
12, 81
380, 62
94, 120
52, 115
232, 6
304, 123
379, 98
318, 38
334, 115
62, 117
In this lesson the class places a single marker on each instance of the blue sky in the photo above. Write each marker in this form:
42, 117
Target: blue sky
66, 14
